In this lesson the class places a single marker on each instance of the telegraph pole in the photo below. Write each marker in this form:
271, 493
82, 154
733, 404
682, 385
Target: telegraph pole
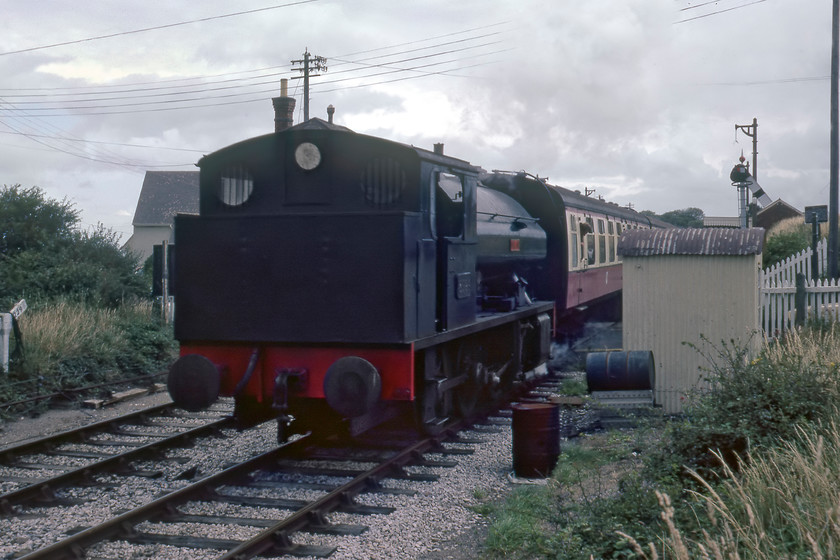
835, 145
751, 130
310, 63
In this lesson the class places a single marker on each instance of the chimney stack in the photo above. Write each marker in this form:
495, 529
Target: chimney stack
439, 149
330, 113
284, 108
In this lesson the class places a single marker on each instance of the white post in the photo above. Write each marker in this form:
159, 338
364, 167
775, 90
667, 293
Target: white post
5, 333
6, 330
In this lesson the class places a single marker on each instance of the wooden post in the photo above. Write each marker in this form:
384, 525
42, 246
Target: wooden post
799, 300
815, 262
5, 333
164, 283
6, 330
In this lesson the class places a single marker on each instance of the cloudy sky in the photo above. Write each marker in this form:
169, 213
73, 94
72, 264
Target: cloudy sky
636, 98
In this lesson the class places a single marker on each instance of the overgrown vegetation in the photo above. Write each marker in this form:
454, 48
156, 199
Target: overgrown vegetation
750, 471
787, 238
687, 217
90, 319
44, 256
69, 345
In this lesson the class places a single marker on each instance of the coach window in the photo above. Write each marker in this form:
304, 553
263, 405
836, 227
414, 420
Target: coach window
449, 206
589, 227
617, 237
574, 247
610, 241
602, 243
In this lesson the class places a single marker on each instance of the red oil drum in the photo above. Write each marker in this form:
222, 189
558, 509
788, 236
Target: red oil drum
536, 439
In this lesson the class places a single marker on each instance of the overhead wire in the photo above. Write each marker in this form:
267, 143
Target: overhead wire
95, 107
771, 82
695, 6
123, 144
150, 82
205, 78
719, 12
26, 99
157, 27
180, 87
50, 136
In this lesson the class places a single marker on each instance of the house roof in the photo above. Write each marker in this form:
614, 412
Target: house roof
164, 194
779, 204
691, 241
722, 221
775, 213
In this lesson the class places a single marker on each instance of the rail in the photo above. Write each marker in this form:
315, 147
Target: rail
276, 538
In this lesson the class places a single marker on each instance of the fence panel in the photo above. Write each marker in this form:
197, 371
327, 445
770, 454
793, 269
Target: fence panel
778, 288
785, 271
777, 301
778, 313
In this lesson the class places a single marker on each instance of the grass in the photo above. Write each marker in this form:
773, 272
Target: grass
783, 504
69, 345
642, 494
575, 513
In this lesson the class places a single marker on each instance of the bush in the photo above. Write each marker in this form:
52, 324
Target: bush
45, 258
754, 402
785, 239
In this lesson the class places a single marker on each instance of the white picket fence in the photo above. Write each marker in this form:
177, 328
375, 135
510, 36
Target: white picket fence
785, 272
778, 292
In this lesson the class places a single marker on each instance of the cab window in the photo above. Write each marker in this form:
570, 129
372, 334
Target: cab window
448, 205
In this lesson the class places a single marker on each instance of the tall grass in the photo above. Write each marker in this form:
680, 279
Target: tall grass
784, 504
797, 224
66, 329
817, 345
68, 345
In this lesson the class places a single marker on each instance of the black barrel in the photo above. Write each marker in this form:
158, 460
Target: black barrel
536, 439
620, 371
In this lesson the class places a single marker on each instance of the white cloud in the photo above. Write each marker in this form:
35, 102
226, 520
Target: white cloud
610, 94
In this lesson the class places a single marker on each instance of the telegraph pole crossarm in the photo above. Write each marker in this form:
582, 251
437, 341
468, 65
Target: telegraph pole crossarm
310, 63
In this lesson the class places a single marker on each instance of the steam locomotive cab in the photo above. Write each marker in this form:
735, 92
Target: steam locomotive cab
336, 277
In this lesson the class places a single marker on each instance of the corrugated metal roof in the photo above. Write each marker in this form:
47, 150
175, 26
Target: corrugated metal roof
722, 221
691, 241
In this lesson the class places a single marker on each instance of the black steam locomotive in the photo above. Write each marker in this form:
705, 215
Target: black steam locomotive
337, 278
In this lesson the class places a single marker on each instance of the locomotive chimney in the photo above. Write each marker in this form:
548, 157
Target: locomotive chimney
439, 148
284, 107
330, 113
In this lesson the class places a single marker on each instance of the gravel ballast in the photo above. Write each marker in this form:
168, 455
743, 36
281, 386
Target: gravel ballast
437, 523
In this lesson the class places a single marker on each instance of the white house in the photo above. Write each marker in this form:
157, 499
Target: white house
164, 194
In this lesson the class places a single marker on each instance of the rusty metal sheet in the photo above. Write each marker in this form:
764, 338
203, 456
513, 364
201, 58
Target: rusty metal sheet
691, 241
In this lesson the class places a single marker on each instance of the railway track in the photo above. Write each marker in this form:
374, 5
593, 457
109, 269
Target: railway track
32, 472
284, 501
266, 482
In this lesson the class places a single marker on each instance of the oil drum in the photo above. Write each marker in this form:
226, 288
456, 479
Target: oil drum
536, 439
620, 371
